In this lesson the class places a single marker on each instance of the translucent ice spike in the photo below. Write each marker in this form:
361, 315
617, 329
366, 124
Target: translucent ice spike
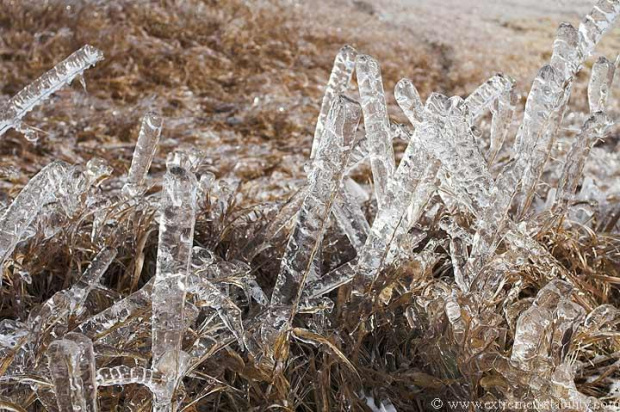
566, 57
409, 101
377, 125
600, 84
324, 181
102, 323
350, 217
482, 98
40, 190
594, 129
596, 24
176, 235
85, 368
148, 137
71, 364
503, 112
39, 90
90, 279
545, 94
338, 83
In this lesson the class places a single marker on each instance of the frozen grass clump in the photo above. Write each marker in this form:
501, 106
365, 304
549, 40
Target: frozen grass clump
447, 256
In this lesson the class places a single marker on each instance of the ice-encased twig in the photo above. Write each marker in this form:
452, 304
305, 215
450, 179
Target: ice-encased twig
595, 24
324, 181
503, 110
593, 129
150, 130
86, 368
125, 375
39, 90
350, 217
377, 125
176, 235
71, 363
402, 192
90, 279
102, 323
483, 97
599, 87
339, 80
40, 190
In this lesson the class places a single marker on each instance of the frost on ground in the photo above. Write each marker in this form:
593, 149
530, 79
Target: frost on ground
475, 261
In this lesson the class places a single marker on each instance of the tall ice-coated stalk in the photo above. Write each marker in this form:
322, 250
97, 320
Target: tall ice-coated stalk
176, 234
377, 125
150, 130
39, 90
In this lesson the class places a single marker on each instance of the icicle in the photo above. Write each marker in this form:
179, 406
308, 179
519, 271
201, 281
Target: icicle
338, 83
350, 217
483, 97
594, 129
503, 112
71, 363
40, 190
377, 125
568, 316
100, 324
599, 87
148, 137
596, 24
176, 234
90, 279
409, 101
566, 57
85, 369
324, 182
124, 375
39, 90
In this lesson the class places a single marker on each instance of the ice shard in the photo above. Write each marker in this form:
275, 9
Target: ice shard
324, 182
39, 191
594, 129
39, 90
596, 24
90, 279
125, 375
176, 234
483, 97
599, 87
150, 130
71, 363
377, 125
338, 83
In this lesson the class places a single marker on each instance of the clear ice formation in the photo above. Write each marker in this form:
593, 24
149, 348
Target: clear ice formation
176, 235
42, 88
482, 200
148, 137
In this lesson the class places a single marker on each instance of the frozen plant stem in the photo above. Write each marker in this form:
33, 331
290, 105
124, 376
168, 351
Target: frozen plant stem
338, 83
377, 125
39, 90
39, 191
72, 365
176, 234
324, 182
150, 130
